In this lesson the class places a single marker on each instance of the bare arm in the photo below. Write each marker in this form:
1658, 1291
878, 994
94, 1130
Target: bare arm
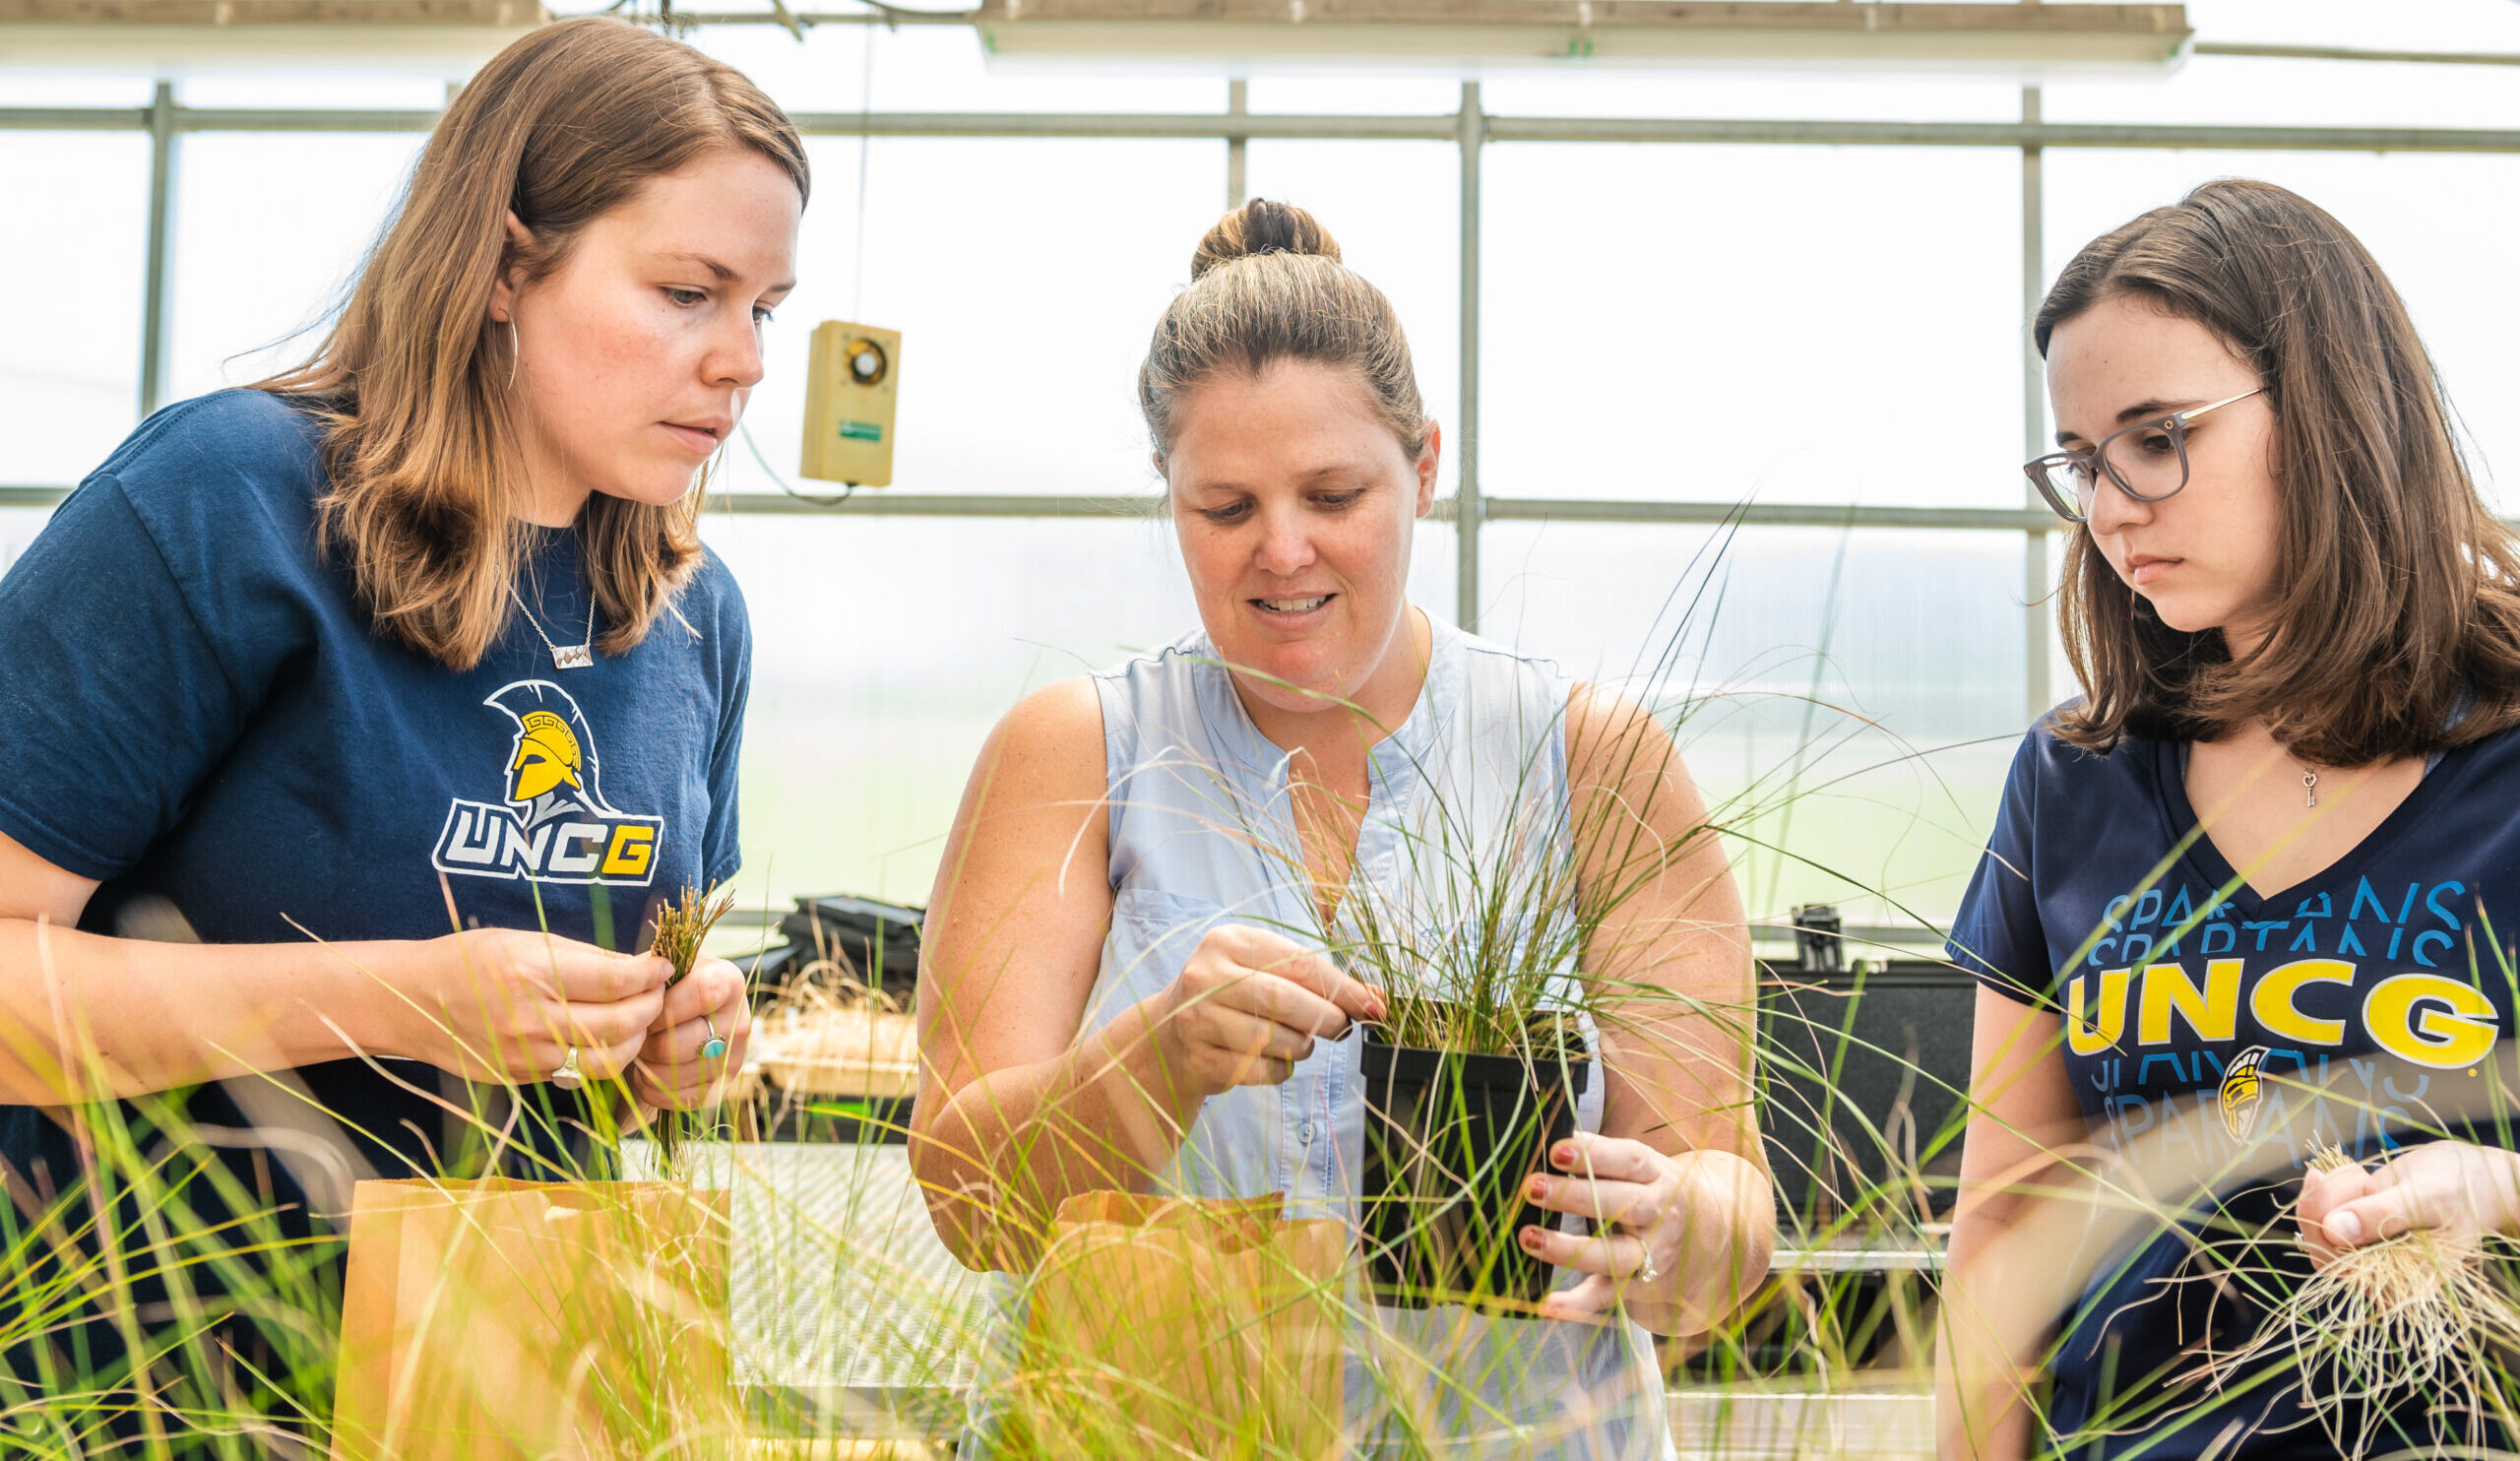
1011, 1115
84, 1015
2022, 1110
1669, 965
1015, 1114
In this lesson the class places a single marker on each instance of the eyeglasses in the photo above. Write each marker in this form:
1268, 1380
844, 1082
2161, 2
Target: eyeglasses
2148, 461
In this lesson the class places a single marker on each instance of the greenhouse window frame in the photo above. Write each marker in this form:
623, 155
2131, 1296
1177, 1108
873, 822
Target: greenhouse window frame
1469, 129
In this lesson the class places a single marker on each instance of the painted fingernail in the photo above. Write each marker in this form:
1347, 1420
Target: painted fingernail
1531, 1239
1539, 1189
1564, 1156
2344, 1228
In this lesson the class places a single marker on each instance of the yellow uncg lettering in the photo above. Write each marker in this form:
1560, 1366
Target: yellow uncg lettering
2213, 1012
2444, 1038
2272, 1000
632, 847
2085, 1038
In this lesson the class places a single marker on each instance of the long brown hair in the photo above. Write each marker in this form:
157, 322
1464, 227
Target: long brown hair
2395, 585
410, 385
1266, 283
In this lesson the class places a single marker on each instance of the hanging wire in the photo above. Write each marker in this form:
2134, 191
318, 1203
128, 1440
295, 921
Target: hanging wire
666, 18
745, 430
865, 131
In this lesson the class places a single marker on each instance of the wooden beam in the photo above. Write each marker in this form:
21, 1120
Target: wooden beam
476, 13
1822, 16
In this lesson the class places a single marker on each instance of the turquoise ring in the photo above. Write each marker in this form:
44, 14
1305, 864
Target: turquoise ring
716, 1044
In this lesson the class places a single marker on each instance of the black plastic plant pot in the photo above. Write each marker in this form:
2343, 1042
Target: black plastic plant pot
1451, 1140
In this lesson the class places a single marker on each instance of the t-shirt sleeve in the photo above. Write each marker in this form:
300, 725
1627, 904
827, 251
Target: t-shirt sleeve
722, 845
114, 702
1997, 934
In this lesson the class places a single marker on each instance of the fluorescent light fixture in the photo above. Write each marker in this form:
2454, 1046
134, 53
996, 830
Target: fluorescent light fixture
1761, 33
171, 37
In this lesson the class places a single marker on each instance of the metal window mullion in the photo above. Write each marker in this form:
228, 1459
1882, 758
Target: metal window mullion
2035, 698
154, 374
1466, 506
1365, 128
1045, 505
1237, 149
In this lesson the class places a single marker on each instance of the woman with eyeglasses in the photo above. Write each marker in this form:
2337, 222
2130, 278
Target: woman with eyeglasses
2236, 908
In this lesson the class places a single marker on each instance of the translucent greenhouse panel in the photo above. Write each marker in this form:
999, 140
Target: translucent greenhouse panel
53, 88
1779, 324
331, 88
2260, 92
270, 228
1394, 208
70, 355
942, 68
1600, 91
2438, 25
2441, 225
17, 528
1024, 314
1848, 701
1354, 92
884, 649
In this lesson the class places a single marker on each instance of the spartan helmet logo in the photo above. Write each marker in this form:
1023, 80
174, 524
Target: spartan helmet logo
547, 756
2243, 1090
552, 767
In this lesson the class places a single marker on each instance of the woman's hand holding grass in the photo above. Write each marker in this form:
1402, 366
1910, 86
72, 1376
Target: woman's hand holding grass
1247, 1006
2467, 1190
509, 1004
669, 1070
1663, 1228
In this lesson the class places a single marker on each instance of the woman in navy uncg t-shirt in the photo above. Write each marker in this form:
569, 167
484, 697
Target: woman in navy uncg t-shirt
2289, 612
421, 633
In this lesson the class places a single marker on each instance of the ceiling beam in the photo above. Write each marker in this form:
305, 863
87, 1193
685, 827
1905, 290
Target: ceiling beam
1827, 32
495, 14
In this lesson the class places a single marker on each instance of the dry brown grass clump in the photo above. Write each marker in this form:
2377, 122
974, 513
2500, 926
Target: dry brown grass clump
683, 925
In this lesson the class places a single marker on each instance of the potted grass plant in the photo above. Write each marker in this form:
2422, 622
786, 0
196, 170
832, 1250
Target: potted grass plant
1490, 949
1479, 1063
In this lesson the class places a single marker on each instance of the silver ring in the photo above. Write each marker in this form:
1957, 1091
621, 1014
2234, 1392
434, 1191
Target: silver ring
715, 1046
569, 1077
1649, 1273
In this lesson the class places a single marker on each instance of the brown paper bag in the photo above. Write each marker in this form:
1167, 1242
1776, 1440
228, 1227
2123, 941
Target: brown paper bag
502, 1318
1182, 1327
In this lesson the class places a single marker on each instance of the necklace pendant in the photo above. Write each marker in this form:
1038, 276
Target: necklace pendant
2310, 788
572, 657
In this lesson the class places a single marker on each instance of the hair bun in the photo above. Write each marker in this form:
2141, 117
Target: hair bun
1261, 226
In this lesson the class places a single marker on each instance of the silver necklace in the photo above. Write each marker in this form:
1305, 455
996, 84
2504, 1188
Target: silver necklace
576, 656
2309, 783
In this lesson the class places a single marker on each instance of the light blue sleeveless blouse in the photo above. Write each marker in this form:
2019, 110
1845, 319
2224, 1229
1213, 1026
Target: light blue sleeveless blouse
1201, 835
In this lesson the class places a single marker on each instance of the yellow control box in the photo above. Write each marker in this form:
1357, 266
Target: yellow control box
850, 384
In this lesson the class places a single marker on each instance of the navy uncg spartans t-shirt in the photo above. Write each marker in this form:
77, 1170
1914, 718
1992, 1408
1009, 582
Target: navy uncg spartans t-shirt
2232, 1032
196, 712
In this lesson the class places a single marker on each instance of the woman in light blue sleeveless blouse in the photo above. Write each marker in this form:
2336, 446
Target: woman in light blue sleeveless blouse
1120, 989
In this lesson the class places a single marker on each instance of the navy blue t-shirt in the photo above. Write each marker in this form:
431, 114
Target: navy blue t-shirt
196, 712
2193, 1005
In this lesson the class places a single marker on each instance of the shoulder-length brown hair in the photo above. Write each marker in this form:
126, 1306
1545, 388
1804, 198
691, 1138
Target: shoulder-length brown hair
2394, 585
412, 383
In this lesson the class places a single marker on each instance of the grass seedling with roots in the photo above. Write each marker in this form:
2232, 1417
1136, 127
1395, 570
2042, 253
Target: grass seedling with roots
681, 927
2417, 1316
